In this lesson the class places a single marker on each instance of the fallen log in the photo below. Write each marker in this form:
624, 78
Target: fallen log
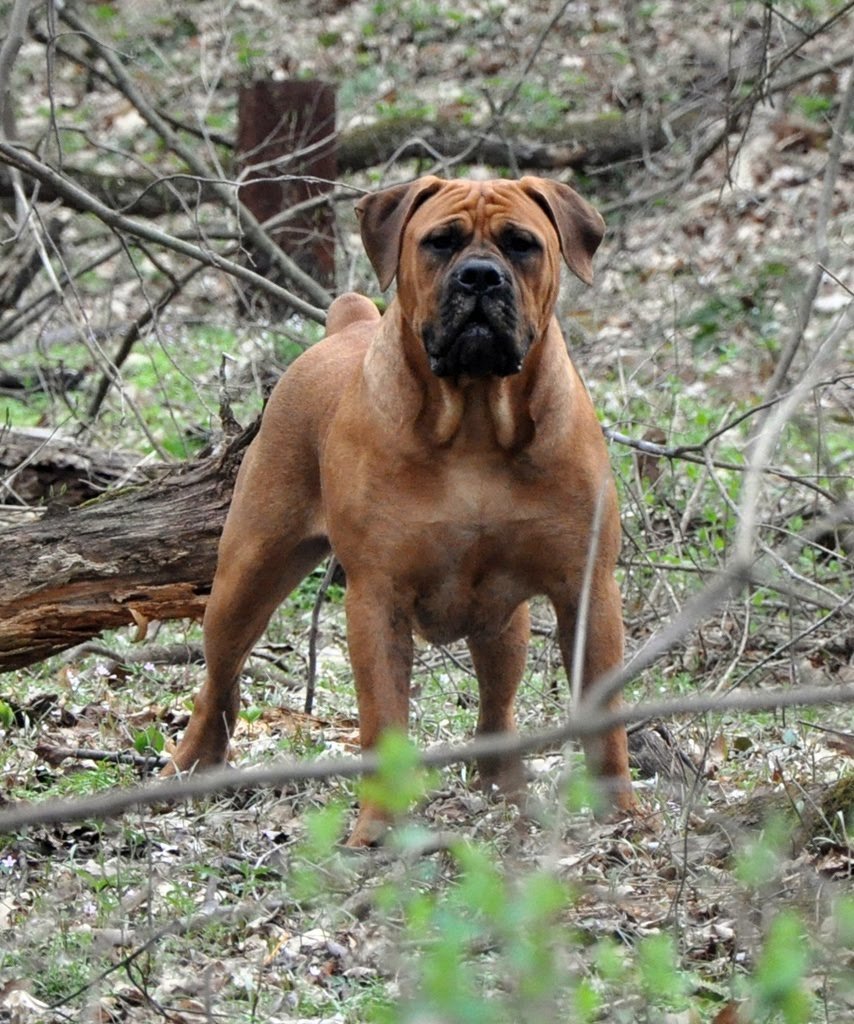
141, 553
574, 144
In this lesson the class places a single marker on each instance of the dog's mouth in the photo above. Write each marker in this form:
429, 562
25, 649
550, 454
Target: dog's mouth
474, 336
477, 326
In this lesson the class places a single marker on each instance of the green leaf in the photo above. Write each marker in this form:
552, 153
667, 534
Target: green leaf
149, 741
399, 780
782, 968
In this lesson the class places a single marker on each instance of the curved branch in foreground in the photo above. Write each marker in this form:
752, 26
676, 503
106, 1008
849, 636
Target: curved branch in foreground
229, 780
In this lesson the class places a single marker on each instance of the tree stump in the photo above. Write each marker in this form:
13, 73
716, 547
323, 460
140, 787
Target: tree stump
285, 143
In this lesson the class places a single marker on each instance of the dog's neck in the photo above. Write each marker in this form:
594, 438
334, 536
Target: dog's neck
475, 413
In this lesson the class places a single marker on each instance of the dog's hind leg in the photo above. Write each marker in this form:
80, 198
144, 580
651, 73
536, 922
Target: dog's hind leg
247, 590
267, 548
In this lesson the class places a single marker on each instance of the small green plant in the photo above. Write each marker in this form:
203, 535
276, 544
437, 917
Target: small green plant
779, 984
65, 966
149, 741
662, 983
816, 108
399, 781
101, 776
246, 50
522, 976
104, 12
305, 595
757, 863
7, 715
302, 743
317, 867
251, 715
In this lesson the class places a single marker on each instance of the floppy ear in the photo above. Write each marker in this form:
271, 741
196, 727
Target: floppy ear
382, 217
579, 227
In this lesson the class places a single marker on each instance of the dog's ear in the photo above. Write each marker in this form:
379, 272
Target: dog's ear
382, 217
579, 227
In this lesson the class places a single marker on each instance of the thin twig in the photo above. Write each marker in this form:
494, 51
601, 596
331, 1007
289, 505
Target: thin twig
814, 627
131, 335
313, 633
822, 250
8, 128
545, 32
582, 614
21, 318
739, 571
717, 138
687, 454
227, 194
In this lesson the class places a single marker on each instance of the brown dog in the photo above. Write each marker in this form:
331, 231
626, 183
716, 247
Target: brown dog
449, 455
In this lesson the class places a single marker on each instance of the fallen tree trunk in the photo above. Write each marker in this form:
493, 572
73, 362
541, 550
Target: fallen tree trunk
576, 143
143, 553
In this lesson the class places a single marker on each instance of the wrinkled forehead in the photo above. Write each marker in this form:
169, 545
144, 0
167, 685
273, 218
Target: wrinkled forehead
480, 206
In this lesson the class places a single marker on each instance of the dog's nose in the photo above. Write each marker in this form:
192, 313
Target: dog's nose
478, 275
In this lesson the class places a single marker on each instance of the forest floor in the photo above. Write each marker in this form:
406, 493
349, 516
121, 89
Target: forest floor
731, 898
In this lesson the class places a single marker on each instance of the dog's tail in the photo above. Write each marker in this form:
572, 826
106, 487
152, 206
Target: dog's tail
347, 309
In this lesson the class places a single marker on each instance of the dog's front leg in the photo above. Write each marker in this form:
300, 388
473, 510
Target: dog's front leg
379, 637
607, 754
499, 662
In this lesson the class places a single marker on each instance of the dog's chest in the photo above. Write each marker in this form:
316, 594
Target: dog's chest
461, 540
472, 589
475, 553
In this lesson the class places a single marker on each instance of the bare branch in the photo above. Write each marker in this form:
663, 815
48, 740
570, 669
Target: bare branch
696, 453
20, 158
8, 52
313, 633
831, 173
229, 780
739, 571
227, 195
56, 755
130, 336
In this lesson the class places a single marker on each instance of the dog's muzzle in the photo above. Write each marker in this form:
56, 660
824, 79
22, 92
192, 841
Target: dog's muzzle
477, 329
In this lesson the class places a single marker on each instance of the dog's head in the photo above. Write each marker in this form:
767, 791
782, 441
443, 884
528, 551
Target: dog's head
477, 263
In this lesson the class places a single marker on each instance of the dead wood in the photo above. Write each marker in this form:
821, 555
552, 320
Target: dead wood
23, 260
654, 752
573, 144
146, 552
38, 465
55, 755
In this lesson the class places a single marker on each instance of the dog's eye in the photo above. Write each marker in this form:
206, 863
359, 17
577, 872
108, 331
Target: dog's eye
516, 243
443, 242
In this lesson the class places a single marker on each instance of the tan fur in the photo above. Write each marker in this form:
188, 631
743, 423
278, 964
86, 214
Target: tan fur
449, 501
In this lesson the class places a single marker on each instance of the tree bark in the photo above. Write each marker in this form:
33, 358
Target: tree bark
286, 153
143, 553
